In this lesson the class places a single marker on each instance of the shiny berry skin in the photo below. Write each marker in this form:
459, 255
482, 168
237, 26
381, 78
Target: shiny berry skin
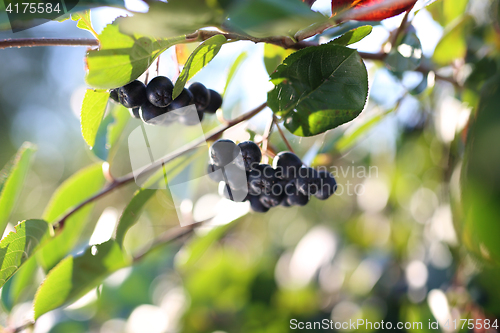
149, 112
135, 112
133, 94
287, 165
293, 196
274, 197
201, 95
307, 181
257, 205
215, 102
328, 185
113, 94
159, 91
184, 99
251, 154
261, 179
223, 152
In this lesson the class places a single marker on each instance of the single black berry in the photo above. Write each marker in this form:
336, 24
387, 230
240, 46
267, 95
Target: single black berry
274, 197
184, 99
328, 185
113, 94
201, 95
257, 205
159, 91
308, 181
251, 154
261, 179
135, 112
215, 102
149, 111
133, 94
293, 196
223, 152
287, 165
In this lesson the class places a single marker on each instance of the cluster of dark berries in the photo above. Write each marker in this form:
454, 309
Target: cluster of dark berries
155, 99
286, 183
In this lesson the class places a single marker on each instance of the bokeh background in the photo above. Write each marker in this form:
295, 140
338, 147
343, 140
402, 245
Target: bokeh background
387, 247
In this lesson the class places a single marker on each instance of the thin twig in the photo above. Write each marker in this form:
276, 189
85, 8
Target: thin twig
215, 133
23, 327
265, 139
401, 28
285, 140
32, 42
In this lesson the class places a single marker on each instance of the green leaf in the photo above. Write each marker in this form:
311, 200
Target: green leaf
274, 55
200, 57
20, 287
407, 56
177, 17
353, 36
234, 68
121, 58
72, 192
93, 108
131, 213
264, 18
480, 180
12, 179
109, 132
445, 11
453, 44
84, 22
18, 246
319, 88
73, 277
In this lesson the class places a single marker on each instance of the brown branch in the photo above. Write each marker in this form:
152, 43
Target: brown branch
32, 42
214, 134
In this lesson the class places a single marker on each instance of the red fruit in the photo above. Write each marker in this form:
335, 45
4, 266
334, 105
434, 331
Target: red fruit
381, 9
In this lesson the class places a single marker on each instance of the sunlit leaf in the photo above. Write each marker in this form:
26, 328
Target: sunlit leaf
73, 191
200, 57
122, 58
131, 213
84, 21
93, 108
12, 178
233, 69
273, 56
73, 277
453, 44
19, 245
319, 88
353, 36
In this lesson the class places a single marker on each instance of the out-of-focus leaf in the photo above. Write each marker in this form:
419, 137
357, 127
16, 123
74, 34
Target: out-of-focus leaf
19, 245
131, 213
177, 17
319, 88
12, 178
72, 192
122, 58
264, 18
273, 56
109, 131
93, 108
234, 68
407, 56
453, 44
371, 10
73, 277
21, 286
84, 22
480, 182
200, 57
445, 11
353, 36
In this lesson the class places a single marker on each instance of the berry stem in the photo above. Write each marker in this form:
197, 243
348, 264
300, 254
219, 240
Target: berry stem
285, 140
265, 140
212, 135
